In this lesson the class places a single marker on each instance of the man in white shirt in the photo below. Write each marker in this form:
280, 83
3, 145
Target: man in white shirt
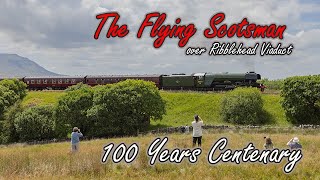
197, 130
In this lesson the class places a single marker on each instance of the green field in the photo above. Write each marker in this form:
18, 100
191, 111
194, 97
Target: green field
53, 161
41, 98
181, 107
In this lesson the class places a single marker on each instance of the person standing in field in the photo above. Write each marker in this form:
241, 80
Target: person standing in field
75, 139
262, 87
294, 143
197, 130
268, 144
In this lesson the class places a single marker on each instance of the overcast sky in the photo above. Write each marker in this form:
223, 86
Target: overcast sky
59, 36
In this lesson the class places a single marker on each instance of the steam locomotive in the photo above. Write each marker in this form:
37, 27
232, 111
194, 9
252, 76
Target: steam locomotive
195, 81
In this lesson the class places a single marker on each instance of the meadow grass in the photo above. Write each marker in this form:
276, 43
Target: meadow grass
181, 107
53, 161
41, 98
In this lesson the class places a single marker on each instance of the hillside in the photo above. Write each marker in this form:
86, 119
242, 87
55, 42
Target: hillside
13, 65
181, 107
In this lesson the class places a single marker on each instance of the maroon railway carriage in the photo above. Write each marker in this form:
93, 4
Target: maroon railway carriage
52, 82
110, 79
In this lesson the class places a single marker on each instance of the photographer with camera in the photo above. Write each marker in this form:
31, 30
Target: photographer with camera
268, 144
294, 143
197, 130
75, 139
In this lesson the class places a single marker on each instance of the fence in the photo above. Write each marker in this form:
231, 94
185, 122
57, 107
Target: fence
180, 129
170, 130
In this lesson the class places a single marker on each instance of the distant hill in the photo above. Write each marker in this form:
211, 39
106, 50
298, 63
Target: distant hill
13, 65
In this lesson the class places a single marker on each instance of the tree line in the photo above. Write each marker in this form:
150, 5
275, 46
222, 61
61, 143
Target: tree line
300, 100
119, 109
125, 108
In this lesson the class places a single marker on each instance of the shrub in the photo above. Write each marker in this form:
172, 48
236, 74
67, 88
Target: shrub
35, 123
126, 107
9, 133
242, 106
18, 87
72, 111
7, 99
11, 91
77, 86
301, 99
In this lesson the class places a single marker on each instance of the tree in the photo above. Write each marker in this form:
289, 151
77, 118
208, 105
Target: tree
35, 123
242, 106
9, 133
126, 107
301, 99
18, 87
11, 91
7, 98
72, 111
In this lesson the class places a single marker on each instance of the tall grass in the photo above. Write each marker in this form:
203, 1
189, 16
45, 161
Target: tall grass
53, 161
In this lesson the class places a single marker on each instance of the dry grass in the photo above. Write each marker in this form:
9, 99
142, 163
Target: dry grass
53, 161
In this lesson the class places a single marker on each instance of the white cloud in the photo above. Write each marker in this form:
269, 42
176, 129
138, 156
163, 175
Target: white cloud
59, 36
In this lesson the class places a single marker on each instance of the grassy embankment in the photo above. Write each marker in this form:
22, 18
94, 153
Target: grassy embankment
53, 161
181, 107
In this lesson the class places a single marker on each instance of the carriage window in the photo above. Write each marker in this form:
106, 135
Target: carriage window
73, 81
66, 81
60, 81
54, 81
45, 81
32, 81
38, 81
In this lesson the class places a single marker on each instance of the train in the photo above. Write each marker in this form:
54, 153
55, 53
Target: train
195, 81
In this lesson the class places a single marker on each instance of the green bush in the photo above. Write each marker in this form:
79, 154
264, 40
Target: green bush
77, 86
242, 106
35, 123
301, 99
7, 99
11, 91
72, 110
126, 107
18, 87
9, 133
